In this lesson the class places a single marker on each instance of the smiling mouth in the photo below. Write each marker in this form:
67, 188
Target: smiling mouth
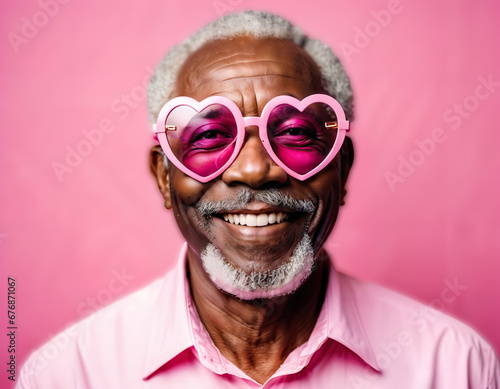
255, 220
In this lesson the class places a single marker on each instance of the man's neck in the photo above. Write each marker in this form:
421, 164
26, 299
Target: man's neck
257, 335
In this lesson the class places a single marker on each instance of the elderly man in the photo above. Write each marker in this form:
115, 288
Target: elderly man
251, 117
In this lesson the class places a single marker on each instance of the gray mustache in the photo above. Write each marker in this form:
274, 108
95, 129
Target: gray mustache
244, 196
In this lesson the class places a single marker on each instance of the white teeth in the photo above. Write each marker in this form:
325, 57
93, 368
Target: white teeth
253, 220
262, 220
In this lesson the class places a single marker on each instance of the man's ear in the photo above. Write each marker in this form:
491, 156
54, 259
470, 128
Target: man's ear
160, 173
347, 159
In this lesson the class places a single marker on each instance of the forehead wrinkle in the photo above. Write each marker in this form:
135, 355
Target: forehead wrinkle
250, 82
298, 67
194, 81
258, 89
248, 53
219, 56
258, 64
257, 76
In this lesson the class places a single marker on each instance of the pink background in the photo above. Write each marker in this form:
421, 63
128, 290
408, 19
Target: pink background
64, 239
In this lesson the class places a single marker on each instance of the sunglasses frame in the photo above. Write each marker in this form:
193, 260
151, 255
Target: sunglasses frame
160, 129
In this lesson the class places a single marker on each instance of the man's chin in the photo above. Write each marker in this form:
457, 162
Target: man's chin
283, 280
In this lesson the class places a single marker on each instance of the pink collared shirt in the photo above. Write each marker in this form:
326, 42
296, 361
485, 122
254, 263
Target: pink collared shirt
365, 337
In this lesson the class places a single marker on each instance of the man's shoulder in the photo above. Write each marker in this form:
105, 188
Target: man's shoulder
119, 327
402, 329
373, 300
387, 309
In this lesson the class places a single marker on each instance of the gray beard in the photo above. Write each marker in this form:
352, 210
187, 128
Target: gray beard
283, 280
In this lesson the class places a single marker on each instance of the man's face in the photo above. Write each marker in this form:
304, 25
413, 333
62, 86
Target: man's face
250, 72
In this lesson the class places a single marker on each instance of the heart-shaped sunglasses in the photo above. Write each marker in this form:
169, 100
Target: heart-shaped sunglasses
204, 138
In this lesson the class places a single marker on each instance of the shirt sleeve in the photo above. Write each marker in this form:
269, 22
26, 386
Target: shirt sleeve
22, 380
494, 368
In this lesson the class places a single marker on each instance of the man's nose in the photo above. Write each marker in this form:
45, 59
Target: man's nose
253, 166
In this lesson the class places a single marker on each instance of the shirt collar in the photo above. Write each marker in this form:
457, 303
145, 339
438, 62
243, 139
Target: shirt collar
343, 322
169, 332
173, 325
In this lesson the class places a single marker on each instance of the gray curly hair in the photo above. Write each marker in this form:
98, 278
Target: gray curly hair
261, 25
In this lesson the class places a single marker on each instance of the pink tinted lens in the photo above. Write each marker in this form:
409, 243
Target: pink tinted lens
300, 139
203, 141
